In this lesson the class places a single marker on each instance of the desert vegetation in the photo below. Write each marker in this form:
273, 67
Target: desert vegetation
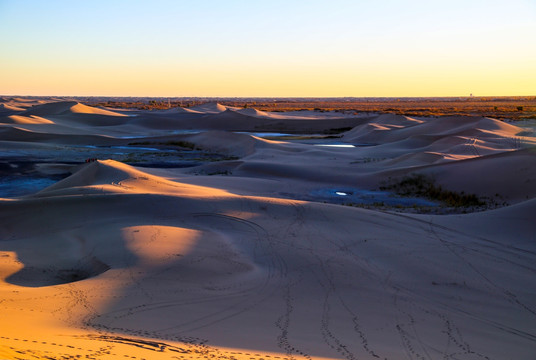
179, 143
425, 186
515, 108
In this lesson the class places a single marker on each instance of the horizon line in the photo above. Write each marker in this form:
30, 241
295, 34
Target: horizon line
274, 97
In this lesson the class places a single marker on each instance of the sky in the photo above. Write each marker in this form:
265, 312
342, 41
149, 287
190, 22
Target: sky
332, 48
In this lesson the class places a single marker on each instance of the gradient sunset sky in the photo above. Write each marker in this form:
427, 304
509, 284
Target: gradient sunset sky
268, 48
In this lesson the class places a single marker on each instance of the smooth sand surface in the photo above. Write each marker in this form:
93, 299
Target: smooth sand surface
236, 259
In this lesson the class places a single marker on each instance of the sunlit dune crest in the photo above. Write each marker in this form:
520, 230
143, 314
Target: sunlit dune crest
210, 108
114, 177
32, 119
67, 107
7, 107
83, 109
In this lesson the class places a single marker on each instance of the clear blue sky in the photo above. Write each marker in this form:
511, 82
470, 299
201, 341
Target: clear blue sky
268, 48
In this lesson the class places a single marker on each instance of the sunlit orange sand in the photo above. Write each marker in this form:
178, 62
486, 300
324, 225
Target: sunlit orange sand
237, 259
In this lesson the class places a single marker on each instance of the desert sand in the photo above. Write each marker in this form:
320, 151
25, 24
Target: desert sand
225, 233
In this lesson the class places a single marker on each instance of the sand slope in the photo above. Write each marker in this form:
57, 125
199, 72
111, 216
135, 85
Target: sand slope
189, 263
67, 107
9, 108
210, 108
408, 142
390, 128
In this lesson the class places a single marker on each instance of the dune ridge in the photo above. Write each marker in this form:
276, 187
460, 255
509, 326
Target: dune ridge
9, 108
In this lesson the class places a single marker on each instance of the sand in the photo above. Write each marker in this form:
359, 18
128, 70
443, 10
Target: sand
241, 258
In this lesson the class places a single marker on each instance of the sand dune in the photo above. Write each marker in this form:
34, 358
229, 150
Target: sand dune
249, 253
238, 145
253, 112
481, 175
19, 119
315, 288
19, 134
9, 108
491, 224
111, 176
229, 143
393, 120
238, 121
210, 116
179, 110
84, 109
75, 113
209, 108
294, 115
412, 143
398, 127
55, 108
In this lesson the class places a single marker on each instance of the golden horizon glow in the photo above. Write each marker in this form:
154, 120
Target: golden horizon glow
391, 49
